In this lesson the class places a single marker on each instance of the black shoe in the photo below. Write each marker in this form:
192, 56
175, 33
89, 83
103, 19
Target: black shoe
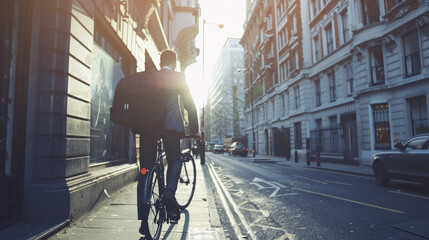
173, 212
142, 229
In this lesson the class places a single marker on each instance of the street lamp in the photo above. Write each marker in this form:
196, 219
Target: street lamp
203, 154
251, 104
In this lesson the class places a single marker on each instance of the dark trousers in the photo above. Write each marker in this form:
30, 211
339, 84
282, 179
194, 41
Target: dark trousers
148, 155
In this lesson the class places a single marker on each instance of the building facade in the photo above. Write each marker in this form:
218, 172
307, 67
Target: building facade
352, 78
62, 60
226, 93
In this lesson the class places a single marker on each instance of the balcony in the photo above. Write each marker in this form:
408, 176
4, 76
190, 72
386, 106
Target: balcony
401, 9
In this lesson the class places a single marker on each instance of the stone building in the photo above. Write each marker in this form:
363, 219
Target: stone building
60, 63
352, 77
226, 93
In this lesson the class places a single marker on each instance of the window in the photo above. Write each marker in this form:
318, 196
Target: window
296, 93
314, 8
269, 22
282, 72
318, 93
389, 4
381, 126
350, 82
296, 60
333, 135
294, 25
298, 137
293, 61
345, 26
324, 2
332, 86
329, 39
272, 107
418, 143
412, 53
287, 101
283, 106
316, 46
419, 115
108, 142
371, 12
377, 65
333, 122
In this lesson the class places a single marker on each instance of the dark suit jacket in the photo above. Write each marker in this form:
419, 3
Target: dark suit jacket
175, 83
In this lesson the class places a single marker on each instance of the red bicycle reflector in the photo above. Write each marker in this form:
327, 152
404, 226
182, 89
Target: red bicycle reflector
143, 171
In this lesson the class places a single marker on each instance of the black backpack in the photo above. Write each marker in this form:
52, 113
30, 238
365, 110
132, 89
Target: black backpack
140, 102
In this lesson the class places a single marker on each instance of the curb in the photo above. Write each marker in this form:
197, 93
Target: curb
335, 170
213, 213
342, 171
52, 231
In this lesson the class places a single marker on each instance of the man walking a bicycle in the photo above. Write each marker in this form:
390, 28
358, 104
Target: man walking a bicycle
171, 133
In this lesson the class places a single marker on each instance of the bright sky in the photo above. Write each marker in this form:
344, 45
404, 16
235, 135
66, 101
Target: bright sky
230, 13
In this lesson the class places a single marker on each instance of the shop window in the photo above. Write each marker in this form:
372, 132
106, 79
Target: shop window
381, 126
412, 53
333, 135
377, 65
419, 115
109, 142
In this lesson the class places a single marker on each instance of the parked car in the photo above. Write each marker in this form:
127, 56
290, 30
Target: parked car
218, 149
409, 162
238, 149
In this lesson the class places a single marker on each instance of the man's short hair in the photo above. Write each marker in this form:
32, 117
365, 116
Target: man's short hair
168, 57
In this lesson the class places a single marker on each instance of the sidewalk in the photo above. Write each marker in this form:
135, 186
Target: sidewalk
117, 217
363, 170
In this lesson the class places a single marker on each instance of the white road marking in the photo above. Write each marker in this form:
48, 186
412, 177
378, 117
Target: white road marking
223, 194
270, 184
407, 194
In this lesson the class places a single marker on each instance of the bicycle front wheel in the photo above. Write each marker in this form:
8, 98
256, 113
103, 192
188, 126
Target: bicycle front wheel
156, 208
188, 178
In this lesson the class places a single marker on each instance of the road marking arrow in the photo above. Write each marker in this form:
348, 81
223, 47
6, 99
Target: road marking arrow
263, 184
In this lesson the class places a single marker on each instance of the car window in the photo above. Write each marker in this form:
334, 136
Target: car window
426, 145
417, 143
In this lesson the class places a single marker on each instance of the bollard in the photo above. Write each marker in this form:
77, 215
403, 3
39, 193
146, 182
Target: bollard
318, 159
296, 156
308, 158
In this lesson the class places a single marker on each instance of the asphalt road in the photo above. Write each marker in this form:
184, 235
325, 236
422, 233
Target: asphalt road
279, 201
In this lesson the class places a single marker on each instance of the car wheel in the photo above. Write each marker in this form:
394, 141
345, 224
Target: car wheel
381, 177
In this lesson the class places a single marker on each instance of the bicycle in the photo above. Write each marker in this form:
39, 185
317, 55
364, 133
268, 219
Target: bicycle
155, 185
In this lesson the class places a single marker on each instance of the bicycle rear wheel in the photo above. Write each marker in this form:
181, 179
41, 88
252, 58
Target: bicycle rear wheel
188, 178
156, 208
